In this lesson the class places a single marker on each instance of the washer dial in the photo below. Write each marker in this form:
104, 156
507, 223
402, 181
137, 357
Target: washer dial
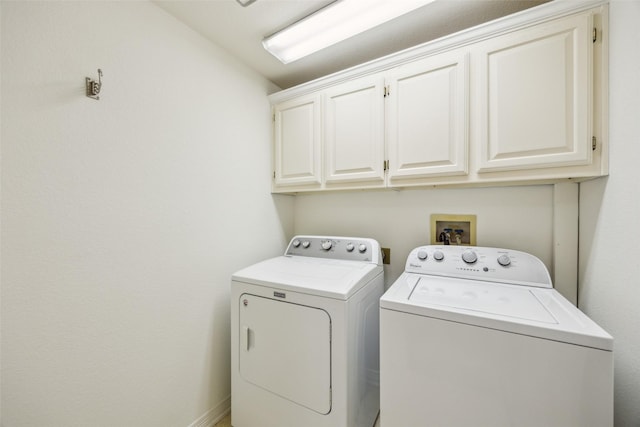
504, 260
469, 256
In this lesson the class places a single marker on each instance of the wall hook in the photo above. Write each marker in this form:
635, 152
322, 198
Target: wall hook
93, 87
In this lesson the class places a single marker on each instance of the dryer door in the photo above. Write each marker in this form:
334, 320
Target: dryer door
285, 349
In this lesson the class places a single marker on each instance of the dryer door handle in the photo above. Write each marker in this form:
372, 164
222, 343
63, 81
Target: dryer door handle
246, 337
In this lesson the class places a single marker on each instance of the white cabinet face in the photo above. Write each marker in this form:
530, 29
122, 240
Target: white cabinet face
354, 131
533, 104
285, 348
521, 100
427, 117
297, 141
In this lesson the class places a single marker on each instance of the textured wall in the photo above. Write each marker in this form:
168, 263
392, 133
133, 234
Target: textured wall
123, 219
609, 212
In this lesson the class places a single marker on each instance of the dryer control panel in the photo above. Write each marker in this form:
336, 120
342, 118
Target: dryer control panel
333, 247
479, 263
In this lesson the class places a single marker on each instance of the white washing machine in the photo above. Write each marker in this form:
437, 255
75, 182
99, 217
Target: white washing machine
479, 337
305, 336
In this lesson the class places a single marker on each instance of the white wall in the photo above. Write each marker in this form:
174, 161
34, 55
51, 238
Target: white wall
610, 218
122, 219
512, 217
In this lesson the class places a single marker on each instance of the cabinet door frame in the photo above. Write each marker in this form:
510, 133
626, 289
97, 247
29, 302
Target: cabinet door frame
452, 68
494, 152
363, 124
308, 142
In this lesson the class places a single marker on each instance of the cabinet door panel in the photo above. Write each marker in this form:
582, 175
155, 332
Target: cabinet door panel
297, 141
354, 132
533, 99
427, 117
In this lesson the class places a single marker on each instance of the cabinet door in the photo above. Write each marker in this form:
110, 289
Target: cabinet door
427, 117
533, 104
354, 131
297, 141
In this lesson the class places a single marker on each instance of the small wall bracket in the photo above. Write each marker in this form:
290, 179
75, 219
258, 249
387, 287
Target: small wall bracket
245, 3
93, 87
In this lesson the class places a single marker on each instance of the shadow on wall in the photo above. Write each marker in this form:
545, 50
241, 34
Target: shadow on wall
591, 202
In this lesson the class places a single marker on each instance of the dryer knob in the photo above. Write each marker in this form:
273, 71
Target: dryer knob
350, 247
296, 243
327, 244
469, 257
504, 260
362, 248
422, 254
306, 244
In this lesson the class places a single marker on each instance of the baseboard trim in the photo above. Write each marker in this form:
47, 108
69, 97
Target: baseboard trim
213, 415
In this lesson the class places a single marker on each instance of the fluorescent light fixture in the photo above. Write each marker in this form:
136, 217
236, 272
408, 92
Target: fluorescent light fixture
334, 23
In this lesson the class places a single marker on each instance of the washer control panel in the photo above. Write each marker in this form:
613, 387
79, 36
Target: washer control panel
479, 263
332, 247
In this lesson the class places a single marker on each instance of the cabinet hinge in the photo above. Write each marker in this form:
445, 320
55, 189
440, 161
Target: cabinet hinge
595, 34
593, 143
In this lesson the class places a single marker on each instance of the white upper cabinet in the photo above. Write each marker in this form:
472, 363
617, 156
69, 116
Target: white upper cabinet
522, 99
427, 117
354, 132
533, 101
297, 138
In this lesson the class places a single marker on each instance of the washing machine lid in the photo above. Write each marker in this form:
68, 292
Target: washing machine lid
526, 310
491, 298
331, 278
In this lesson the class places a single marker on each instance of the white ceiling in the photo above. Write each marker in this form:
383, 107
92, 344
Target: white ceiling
240, 30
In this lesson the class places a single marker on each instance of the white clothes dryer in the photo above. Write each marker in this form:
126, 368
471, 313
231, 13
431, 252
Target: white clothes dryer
305, 336
479, 337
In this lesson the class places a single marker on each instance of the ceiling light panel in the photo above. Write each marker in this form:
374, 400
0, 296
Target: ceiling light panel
335, 23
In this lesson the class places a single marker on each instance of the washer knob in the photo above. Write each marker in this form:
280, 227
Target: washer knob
438, 255
296, 243
362, 248
469, 257
504, 260
422, 254
306, 244
327, 244
350, 247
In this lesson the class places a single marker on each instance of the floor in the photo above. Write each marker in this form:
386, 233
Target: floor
226, 422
